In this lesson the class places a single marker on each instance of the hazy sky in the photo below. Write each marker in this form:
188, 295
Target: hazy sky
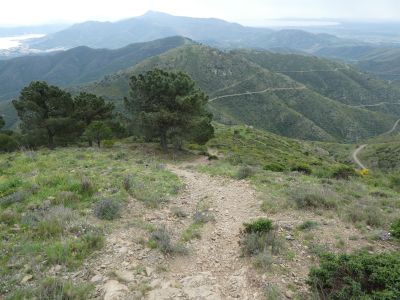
17, 12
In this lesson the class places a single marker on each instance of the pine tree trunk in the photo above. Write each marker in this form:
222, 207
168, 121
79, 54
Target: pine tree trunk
50, 139
163, 141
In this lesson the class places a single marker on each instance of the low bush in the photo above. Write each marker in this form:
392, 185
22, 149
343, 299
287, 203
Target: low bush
370, 215
57, 289
318, 197
343, 172
9, 217
274, 167
86, 186
65, 198
7, 143
178, 212
202, 216
191, 232
106, 209
359, 275
127, 183
260, 225
16, 197
395, 182
244, 172
301, 168
308, 225
395, 229
260, 237
71, 252
160, 238
272, 292
108, 143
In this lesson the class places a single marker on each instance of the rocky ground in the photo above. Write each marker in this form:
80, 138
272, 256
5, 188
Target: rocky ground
213, 267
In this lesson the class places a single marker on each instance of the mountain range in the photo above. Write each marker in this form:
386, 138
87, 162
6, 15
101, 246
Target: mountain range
156, 25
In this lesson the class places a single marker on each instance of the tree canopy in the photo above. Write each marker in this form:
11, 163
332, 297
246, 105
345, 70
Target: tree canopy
2, 122
167, 105
44, 109
89, 107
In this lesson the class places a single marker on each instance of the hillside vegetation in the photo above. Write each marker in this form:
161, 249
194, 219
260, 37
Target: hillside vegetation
301, 111
76, 66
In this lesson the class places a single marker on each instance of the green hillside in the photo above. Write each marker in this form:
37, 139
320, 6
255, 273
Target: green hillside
76, 66
331, 79
298, 112
385, 63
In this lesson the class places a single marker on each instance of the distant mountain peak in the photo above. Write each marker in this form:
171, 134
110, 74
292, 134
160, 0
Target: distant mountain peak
153, 13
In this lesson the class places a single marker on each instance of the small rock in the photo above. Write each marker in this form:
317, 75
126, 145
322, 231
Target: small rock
289, 237
123, 250
384, 236
289, 294
96, 278
149, 271
26, 279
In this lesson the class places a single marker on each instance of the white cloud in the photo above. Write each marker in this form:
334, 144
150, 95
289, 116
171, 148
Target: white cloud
15, 12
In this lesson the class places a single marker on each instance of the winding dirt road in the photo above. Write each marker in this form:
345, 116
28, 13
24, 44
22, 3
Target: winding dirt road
355, 156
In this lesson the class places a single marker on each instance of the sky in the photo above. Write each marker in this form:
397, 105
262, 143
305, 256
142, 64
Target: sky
29, 12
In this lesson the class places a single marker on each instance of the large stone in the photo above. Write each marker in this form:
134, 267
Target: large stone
125, 276
165, 294
113, 290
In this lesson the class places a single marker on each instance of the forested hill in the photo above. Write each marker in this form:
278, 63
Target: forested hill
263, 98
76, 66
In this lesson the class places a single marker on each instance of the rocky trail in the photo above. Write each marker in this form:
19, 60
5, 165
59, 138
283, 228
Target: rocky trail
212, 269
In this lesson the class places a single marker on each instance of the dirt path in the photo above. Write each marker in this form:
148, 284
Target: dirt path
393, 128
214, 269
258, 92
354, 155
126, 268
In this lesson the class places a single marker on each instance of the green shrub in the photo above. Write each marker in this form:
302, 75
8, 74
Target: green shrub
65, 198
191, 232
55, 289
314, 198
343, 172
108, 143
272, 292
302, 168
357, 276
9, 217
7, 143
244, 172
395, 229
202, 216
369, 215
308, 225
260, 237
16, 197
395, 182
274, 167
178, 212
260, 225
106, 209
263, 260
86, 186
161, 239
